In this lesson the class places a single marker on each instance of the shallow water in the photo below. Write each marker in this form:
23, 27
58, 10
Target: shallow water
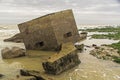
90, 68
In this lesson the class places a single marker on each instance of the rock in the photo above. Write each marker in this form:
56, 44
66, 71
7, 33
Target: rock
18, 51
79, 46
94, 45
6, 52
24, 72
34, 73
83, 35
1, 75
66, 59
15, 52
16, 38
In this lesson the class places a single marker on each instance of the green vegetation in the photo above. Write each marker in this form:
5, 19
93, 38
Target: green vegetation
104, 29
113, 32
116, 59
116, 46
115, 36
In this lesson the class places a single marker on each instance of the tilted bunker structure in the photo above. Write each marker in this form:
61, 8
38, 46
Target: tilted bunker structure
66, 59
50, 31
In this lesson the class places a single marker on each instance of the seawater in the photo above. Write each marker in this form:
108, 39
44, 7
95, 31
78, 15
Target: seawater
90, 68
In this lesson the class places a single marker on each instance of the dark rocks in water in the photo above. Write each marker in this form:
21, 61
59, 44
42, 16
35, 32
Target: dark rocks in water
79, 46
34, 73
97, 47
83, 32
24, 72
94, 45
66, 59
15, 52
16, 38
1, 75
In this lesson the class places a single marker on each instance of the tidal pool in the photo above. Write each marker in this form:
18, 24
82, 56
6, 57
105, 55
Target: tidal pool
90, 68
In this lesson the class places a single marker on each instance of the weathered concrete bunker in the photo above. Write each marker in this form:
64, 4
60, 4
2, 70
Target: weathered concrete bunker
64, 60
56, 31
49, 31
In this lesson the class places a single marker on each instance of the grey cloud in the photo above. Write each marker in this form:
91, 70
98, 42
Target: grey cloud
118, 1
86, 11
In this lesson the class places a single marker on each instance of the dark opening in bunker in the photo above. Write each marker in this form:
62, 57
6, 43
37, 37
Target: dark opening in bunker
69, 34
39, 44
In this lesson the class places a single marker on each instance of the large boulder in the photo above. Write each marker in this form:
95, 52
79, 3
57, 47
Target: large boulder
8, 53
16, 38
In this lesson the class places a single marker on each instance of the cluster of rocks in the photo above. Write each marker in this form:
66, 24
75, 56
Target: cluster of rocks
15, 52
105, 52
16, 38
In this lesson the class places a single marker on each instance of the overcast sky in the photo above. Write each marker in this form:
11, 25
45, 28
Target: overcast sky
85, 11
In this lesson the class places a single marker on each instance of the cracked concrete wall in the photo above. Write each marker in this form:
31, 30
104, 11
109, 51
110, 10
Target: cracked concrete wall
49, 31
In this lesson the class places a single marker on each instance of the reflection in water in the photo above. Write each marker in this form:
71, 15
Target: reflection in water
90, 68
